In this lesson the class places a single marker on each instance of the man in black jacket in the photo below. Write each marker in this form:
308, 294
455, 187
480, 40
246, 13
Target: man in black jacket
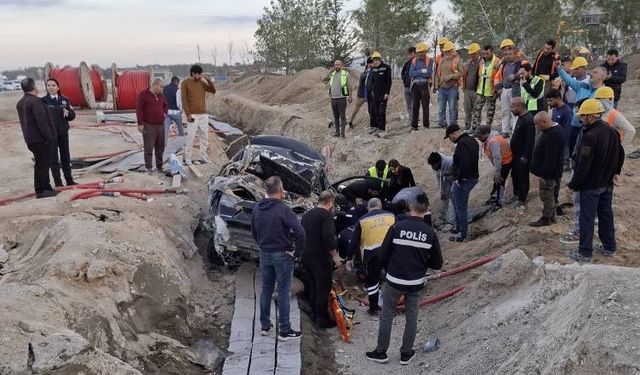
361, 191
401, 177
547, 165
38, 131
409, 248
320, 257
406, 81
465, 177
273, 225
522, 142
616, 74
380, 87
600, 159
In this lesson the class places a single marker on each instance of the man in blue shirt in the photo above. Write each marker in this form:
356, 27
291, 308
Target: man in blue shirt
562, 115
420, 72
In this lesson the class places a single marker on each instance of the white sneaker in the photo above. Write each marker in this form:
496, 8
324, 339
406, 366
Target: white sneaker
187, 162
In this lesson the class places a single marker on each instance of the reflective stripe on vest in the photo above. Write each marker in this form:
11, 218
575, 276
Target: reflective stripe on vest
530, 101
343, 82
373, 172
398, 281
485, 77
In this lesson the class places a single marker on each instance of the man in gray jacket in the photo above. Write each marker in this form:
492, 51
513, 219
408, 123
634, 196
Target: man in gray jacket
443, 169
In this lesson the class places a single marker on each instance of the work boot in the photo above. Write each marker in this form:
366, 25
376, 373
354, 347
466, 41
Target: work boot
46, 194
337, 135
342, 135
350, 125
542, 222
600, 248
57, 182
575, 255
330, 124
373, 130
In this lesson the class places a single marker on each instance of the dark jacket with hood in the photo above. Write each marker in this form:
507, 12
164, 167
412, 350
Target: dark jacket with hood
55, 108
35, 120
618, 73
275, 227
380, 82
548, 154
465, 158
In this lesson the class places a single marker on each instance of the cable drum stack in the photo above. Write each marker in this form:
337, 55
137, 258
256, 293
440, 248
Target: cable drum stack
83, 86
127, 84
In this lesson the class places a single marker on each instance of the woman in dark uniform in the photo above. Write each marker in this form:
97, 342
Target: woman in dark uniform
61, 113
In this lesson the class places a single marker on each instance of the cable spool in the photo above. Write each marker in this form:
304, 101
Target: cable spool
127, 85
83, 86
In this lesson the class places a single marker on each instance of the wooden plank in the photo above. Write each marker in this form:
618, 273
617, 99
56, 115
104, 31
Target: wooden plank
196, 171
288, 360
242, 326
177, 181
263, 354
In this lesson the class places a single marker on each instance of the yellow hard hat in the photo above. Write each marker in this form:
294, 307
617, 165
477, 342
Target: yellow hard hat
591, 107
604, 92
448, 46
376, 55
422, 47
579, 62
442, 40
506, 43
473, 48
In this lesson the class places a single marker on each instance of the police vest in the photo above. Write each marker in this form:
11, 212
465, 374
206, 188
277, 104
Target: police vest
530, 101
343, 82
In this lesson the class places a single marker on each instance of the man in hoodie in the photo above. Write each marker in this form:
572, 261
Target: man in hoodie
615, 118
546, 164
616, 74
442, 166
497, 149
406, 81
367, 238
380, 88
272, 226
420, 74
522, 143
465, 177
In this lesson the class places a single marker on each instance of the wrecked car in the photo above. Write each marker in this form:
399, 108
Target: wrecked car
239, 186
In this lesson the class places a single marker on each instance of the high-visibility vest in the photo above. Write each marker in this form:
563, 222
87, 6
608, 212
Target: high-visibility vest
373, 172
343, 81
505, 149
486, 74
454, 68
530, 101
611, 120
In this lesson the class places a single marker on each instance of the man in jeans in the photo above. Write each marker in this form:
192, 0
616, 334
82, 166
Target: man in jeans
409, 248
599, 163
465, 177
339, 93
193, 93
151, 111
172, 93
546, 164
448, 74
406, 81
272, 223
470, 83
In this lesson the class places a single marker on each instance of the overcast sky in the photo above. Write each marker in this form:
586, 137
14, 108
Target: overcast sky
33, 32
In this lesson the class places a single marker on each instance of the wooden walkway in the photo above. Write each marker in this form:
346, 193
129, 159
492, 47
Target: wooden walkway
252, 353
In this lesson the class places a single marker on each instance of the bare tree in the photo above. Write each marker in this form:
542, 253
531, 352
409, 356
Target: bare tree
245, 54
198, 51
214, 56
230, 50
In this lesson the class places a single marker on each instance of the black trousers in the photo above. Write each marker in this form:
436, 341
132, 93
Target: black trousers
373, 268
420, 96
153, 137
520, 178
378, 113
42, 156
63, 161
319, 277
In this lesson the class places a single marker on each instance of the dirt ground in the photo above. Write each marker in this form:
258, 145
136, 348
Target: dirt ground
298, 107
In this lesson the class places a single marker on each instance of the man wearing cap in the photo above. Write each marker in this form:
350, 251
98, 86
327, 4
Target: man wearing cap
486, 93
380, 87
470, 82
546, 164
616, 74
507, 85
420, 74
599, 163
615, 118
498, 150
465, 177
406, 81
448, 74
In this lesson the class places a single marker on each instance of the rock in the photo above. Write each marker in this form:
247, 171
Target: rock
96, 271
506, 270
207, 354
4, 256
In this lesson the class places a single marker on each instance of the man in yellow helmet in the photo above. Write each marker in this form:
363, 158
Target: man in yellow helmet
486, 93
470, 82
599, 163
507, 84
448, 74
379, 88
420, 73
615, 118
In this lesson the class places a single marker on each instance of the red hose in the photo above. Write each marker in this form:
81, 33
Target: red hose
441, 296
83, 194
87, 185
129, 84
69, 79
464, 267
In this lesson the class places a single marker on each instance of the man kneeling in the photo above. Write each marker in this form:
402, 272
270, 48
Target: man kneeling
410, 247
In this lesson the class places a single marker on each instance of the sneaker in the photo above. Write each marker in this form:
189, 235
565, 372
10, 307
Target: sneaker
342, 135
376, 356
71, 183
291, 335
511, 199
350, 125
205, 160
570, 238
374, 311
47, 194
542, 222
457, 238
373, 130
578, 257
600, 248
330, 124
58, 184
448, 228
518, 205
414, 129
149, 171
265, 330
336, 135
188, 162
405, 358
